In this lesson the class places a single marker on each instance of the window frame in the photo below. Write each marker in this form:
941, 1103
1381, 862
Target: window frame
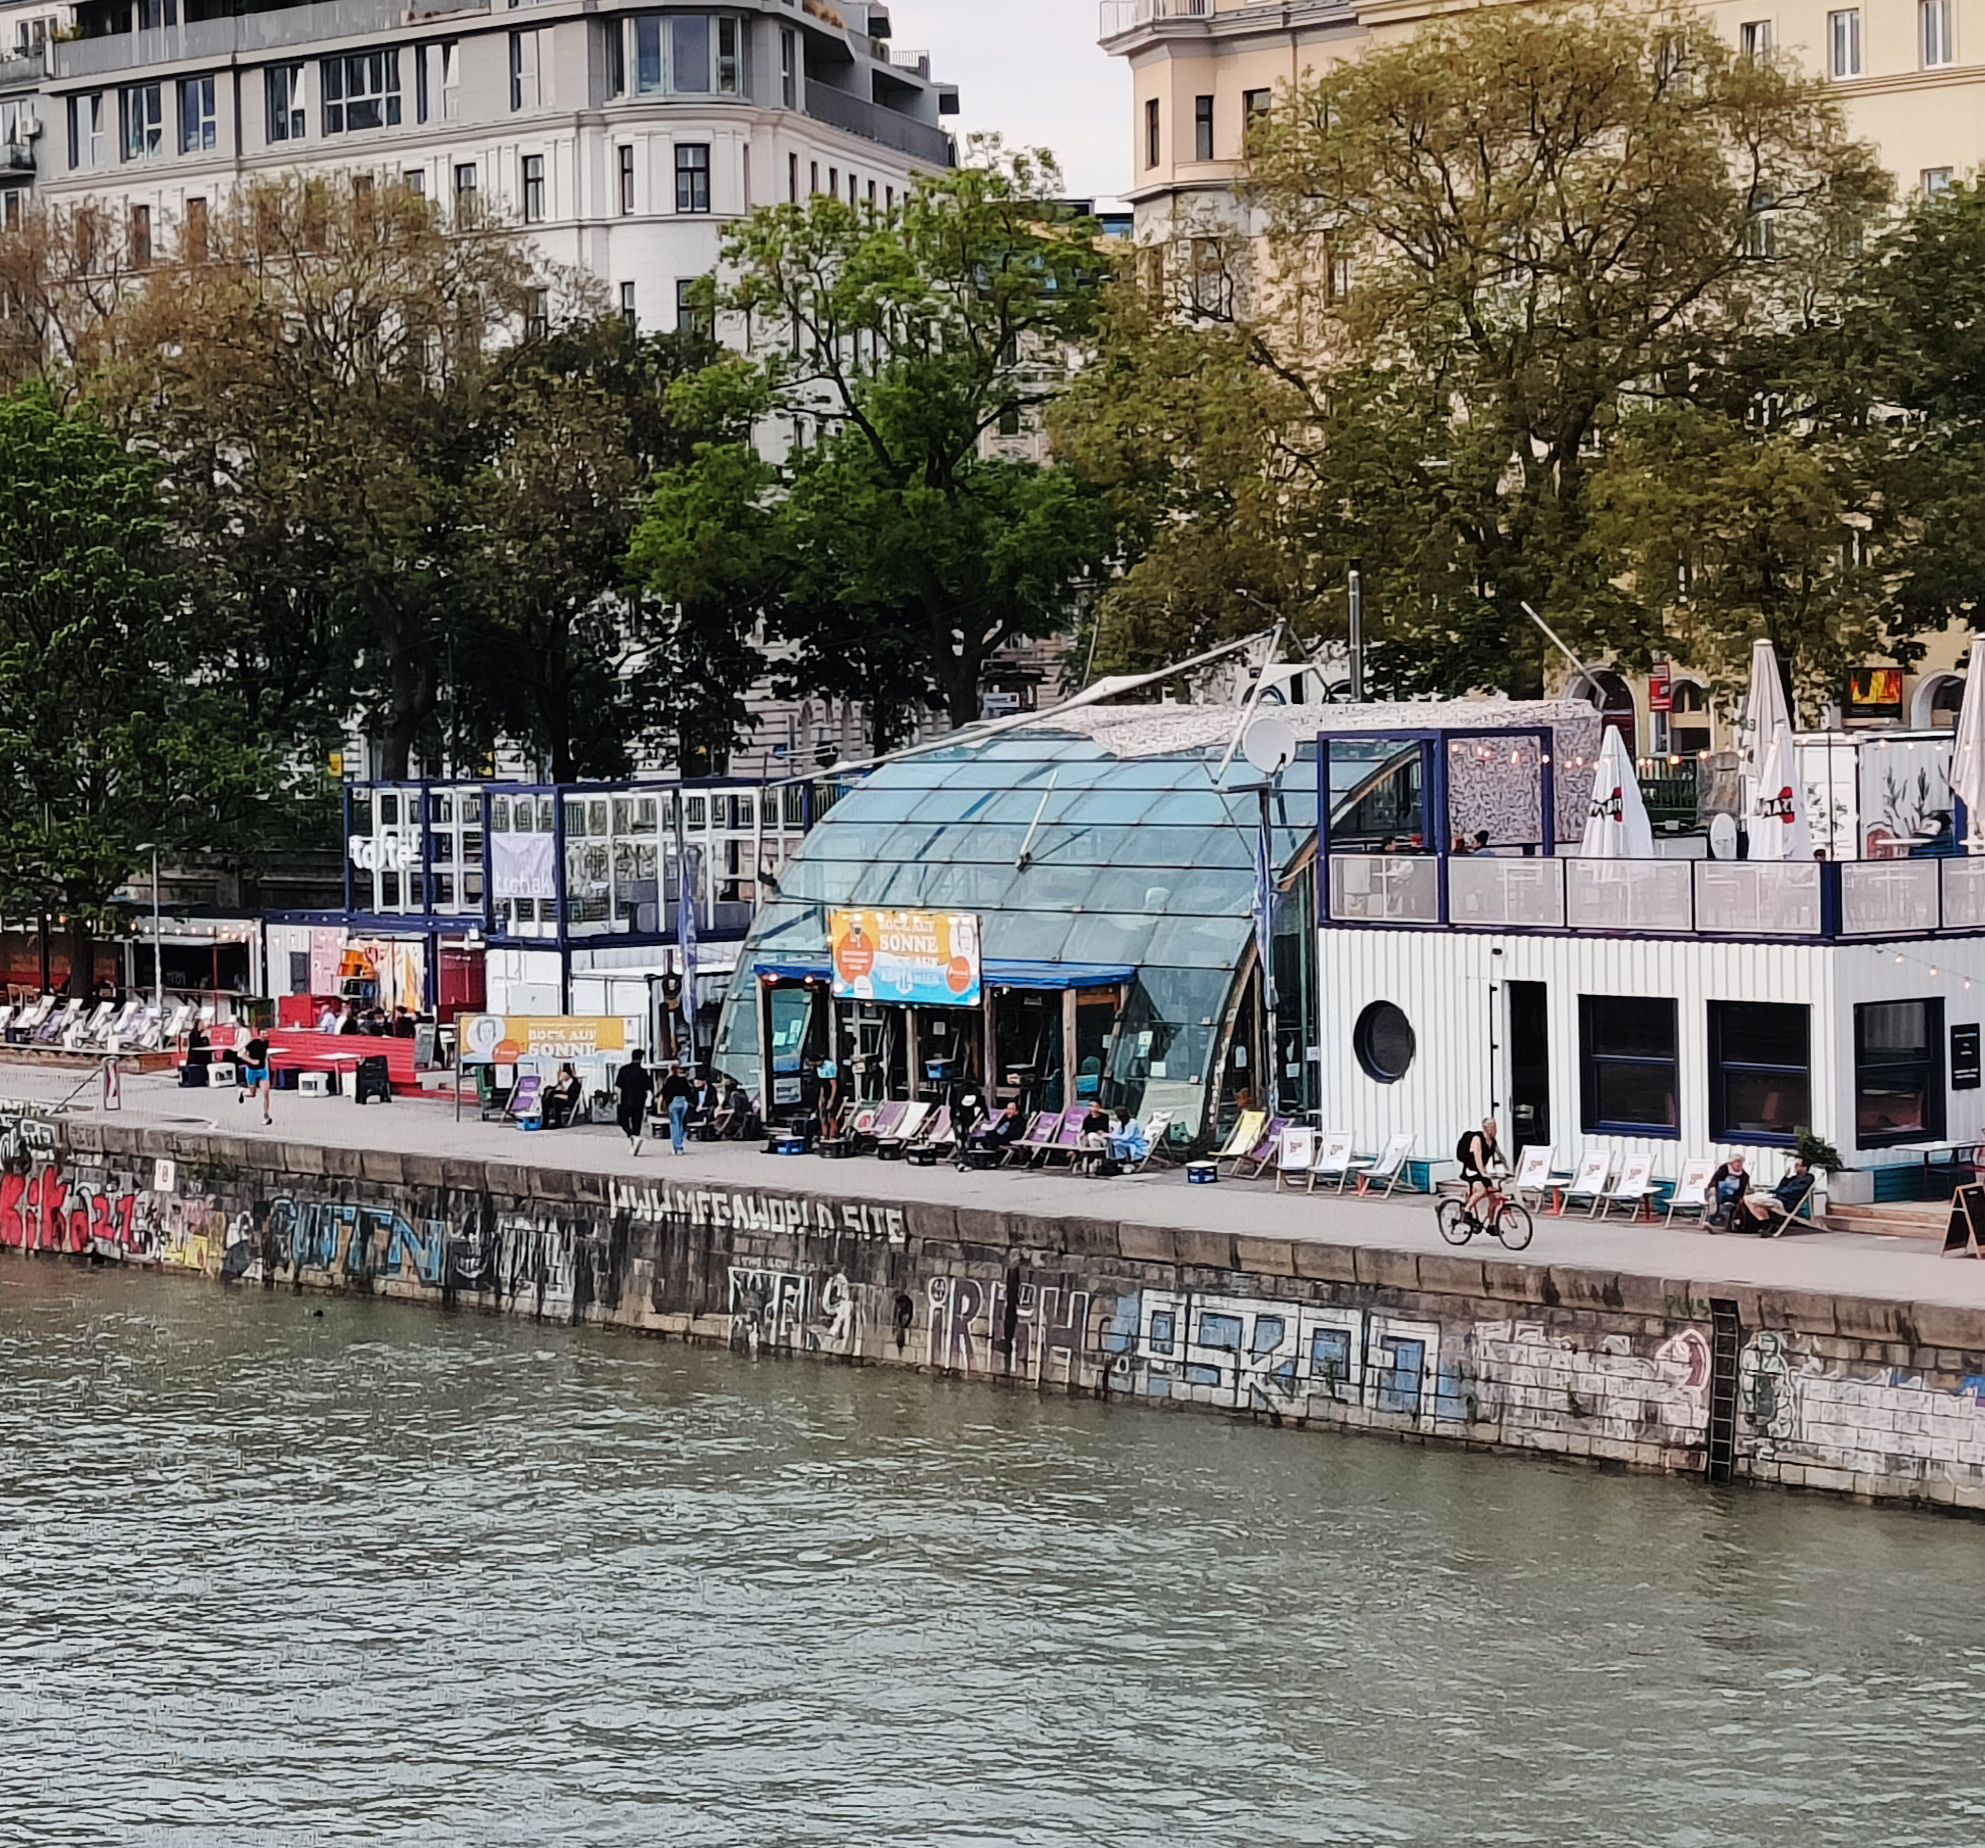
1590, 1062
531, 184
1153, 136
151, 128
624, 179
627, 309
692, 172
1755, 39
1843, 22
202, 92
1202, 128
1723, 1016
335, 73
1944, 13
1932, 1065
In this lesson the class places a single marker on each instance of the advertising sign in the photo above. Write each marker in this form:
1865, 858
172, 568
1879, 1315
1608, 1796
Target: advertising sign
1874, 693
503, 1039
1660, 689
911, 958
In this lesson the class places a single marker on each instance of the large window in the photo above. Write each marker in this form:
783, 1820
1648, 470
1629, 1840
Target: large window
533, 173
196, 114
1760, 1071
789, 88
1151, 132
626, 179
1628, 1066
1754, 39
286, 102
143, 107
89, 132
692, 176
1898, 1073
1938, 40
1202, 127
1844, 43
694, 313
695, 54
361, 91
530, 69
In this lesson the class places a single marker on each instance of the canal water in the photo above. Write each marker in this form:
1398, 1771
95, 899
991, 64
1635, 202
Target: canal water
290, 1570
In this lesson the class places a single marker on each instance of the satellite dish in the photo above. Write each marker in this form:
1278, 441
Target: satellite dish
1270, 744
1723, 837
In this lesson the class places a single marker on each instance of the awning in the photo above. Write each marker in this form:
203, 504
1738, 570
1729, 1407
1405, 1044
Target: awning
1050, 977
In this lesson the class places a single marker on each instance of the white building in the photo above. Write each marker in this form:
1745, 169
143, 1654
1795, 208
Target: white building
625, 139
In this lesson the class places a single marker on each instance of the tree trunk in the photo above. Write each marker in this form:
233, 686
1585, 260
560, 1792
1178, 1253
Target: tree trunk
82, 956
410, 704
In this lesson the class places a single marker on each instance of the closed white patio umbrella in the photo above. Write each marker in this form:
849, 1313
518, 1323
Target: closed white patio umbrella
1778, 809
1616, 825
1765, 711
1968, 753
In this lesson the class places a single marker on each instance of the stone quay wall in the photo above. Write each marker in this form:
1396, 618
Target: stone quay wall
1882, 1400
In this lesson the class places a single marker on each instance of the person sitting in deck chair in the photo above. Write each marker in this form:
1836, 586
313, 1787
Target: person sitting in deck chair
999, 1132
561, 1100
1095, 1143
1747, 1212
1128, 1142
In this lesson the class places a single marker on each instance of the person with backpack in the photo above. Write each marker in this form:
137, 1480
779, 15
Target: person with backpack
1480, 1154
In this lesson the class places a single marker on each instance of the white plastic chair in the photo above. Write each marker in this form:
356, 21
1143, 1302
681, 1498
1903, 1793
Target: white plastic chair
1632, 1189
1691, 1193
1388, 1166
1295, 1154
1589, 1183
1333, 1160
1533, 1176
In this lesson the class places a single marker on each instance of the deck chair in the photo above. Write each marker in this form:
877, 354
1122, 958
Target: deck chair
1389, 1166
1633, 1190
150, 1024
1156, 1128
1782, 1221
890, 1144
1532, 1180
1333, 1160
1295, 1154
937, 1138
1257, 1161
1691, 1193
1245, 1136
181, 1022
1067, 1139
526, 1103
52, 1029
6, 1016
1041, 1132
1589, 1183
91, 1026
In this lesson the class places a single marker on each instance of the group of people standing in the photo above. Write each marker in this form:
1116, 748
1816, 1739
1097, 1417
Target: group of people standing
683, 1099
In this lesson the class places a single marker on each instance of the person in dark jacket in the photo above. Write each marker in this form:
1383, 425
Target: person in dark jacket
678, 1099
634, 1085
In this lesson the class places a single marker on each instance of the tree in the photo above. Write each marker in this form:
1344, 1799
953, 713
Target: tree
114, 729
1485, 246
898, 556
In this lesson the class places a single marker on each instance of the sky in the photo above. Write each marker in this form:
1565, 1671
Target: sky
1032, 70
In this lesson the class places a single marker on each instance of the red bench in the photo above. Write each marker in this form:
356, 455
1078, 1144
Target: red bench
296, 1049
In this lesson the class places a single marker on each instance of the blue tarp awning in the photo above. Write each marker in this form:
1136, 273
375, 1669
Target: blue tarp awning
1052, 977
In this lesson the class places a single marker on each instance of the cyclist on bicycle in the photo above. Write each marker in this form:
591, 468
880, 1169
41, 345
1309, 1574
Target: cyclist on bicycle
1481, 1157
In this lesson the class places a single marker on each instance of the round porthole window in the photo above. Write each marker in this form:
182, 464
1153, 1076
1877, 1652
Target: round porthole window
1383, 1040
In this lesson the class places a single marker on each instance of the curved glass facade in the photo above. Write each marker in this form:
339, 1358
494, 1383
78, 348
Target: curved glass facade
1141, 861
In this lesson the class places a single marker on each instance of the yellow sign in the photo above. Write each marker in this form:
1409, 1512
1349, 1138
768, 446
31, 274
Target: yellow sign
503, 1039
911, 958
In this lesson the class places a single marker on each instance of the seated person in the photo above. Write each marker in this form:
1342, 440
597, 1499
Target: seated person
1095, 1138
1128, 1142
998, 1132
561, 1099
1734, 1204
732, 1115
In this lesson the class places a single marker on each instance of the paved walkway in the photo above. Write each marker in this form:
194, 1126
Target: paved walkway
1856, 1264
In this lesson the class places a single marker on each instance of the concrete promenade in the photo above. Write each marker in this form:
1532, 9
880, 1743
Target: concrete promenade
1903, 1270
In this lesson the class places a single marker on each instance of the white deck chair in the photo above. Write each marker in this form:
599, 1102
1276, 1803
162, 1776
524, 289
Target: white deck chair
1691, 1193
1632, 1189
1389, 1166
1532, 1180
909, 1126
1589, 1183
1333, 1160
1295, 1155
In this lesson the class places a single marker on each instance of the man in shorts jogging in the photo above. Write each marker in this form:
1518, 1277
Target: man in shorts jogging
1481, 1156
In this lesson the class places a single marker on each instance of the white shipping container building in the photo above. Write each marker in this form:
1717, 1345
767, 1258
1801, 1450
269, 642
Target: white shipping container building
1678, 1009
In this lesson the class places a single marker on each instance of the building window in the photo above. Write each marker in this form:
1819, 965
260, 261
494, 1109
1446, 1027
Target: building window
1939, 47
1689, 722
1383, 1043
1151, 132
614, 35
193, 239
533, 169
1009, 419
627, 303
1898, 1073
689, 53
415, 181
144, 120
833, 182
730, 57
1761, 229
1754, 39
1628, 1066
537, 313
196, 114
1843, 34
789, 64
871, 195
889, 198
141, 237
530, 61
1343, 274
89, 132
1202, 127
1760, 1071
692, 176
361, 91
286, 102
813, 177
626, 179
451, 79
465, 187
792, 179
1936, 182
693, 313
1254, 105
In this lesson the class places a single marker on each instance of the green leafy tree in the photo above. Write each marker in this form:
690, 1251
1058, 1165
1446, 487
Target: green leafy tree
115, 730
891, 555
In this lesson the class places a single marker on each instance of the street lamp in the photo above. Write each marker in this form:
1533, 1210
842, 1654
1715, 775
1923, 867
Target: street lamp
158, 952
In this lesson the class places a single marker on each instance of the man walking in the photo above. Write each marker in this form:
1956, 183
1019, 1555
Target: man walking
678, 1093
635, 1086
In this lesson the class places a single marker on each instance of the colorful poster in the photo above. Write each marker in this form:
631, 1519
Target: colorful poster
910, 958
503, 1039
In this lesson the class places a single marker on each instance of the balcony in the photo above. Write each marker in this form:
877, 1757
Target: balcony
1120, 16
16, 156
213, 40
904, 133
23, 71
1798, 901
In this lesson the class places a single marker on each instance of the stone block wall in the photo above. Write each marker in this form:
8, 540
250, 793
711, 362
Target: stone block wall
1876, 1399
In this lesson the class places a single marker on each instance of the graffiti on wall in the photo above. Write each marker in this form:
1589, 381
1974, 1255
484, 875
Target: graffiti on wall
44, 1208
1011, 1326
29, 1131
789, 1309
729, 1209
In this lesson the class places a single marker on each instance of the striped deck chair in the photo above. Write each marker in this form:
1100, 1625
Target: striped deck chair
1041, 1133
906, 1129
1244, 1137
1255, 1163
1067, 1139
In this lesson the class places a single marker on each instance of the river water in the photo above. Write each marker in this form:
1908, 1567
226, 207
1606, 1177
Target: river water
292, 1570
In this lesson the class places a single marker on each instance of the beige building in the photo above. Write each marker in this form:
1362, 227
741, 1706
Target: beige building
1910, 75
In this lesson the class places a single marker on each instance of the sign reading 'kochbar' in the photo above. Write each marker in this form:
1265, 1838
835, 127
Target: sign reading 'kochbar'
503, 1039
911, 958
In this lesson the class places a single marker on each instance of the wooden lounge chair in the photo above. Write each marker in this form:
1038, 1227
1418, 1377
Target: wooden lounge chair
1333, 1160
1245, 1134
1589, 1183
1067, 1139
1255, 1163
1691, 1193
1782, 1223
1041, 1132
937, 1139
1389, 1166
890, 1144
526, 1104
1634, 1189
1532, 1180
1295, 1154
1156, 1128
